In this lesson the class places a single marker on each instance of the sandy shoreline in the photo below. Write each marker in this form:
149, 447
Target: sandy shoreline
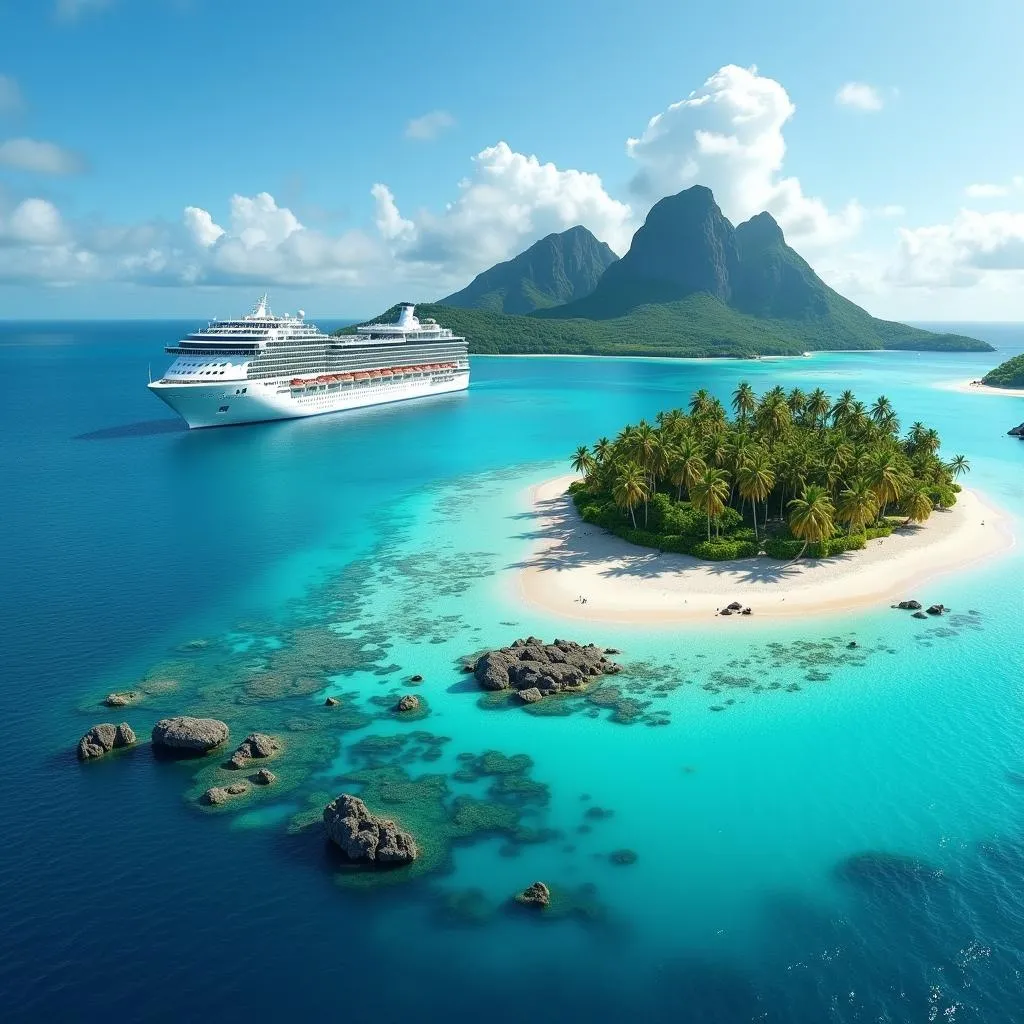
624, 583
966, 387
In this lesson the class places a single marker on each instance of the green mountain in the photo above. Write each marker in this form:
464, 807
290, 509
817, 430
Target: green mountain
694, 285
557, 269
1007, 375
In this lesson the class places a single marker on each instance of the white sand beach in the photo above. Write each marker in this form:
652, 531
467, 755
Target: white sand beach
625, 583
968, 387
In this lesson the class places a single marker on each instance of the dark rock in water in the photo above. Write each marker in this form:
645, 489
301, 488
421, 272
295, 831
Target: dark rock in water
467, 668
363, 836
331, 702
735, 606
121, 700
919, 615
612, 650
217, 795
1016, 431
937, 609
597, 813
536, 895
725, 611
408, 703
911, 606
416, 679
530, 695
264, 777
255, 745
747, 611
101, 739
623, 857
563, 665
851, 645
189, 735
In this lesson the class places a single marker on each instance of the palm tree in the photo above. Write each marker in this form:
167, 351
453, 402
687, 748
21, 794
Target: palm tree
842, 409
797, 402
708, 494
915, 504
744, 401
756, 480
886, 476
811, 516
858, 505
583, 462
818, 406
958, 465
602, 449
700, 402
686, 466
881, 410
630, 488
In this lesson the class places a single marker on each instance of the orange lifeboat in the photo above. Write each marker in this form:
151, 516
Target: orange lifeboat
298, 382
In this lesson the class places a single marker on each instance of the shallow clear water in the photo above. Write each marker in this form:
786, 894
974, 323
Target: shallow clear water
842, 840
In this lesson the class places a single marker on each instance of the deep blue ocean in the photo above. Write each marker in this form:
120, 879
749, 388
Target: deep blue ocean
844, 842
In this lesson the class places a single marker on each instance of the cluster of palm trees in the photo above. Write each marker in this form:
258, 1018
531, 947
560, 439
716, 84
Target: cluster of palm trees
821, 464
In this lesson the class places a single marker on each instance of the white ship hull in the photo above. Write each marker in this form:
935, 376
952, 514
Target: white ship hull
254, 401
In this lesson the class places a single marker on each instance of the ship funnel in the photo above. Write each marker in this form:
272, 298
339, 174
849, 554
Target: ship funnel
407, 317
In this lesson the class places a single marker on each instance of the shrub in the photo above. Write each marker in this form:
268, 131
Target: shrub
873, 532
837, 545
722, 550
779, 547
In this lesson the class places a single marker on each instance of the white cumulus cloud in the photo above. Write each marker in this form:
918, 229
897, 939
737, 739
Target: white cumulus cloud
860, 96
39, 157
728, 135
390, 223
36, 222
429, 126
199, 224
986, 190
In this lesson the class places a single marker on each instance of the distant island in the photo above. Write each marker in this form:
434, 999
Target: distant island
789, 474
1007, 375
690, 285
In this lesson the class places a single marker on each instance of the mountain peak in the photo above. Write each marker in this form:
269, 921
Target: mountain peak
558, 268
762, 228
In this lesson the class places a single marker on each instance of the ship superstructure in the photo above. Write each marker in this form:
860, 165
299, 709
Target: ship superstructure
267, 367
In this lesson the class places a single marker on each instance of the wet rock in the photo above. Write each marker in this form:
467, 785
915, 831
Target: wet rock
919, 615
850, 646
530, 695
101, 739
536, 895
363, 836
911, 606
747, 611
623, 857
408, 703
185, 735
725, 611
734, 606
121, 700
255, 745
416, 679
612, 650
264, 777
217, 795
937, 609
331, 702
529, 663
1016, 431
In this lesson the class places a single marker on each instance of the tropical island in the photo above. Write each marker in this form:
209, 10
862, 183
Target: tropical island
692, 284
774, 503
1007, 375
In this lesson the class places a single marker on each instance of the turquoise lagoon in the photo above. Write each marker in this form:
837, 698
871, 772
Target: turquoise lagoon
822, 833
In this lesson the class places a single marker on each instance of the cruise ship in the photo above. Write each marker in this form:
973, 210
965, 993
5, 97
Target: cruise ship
267, 367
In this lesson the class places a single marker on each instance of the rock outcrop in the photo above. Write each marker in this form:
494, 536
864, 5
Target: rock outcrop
913, 606
121, 700
1017, 431
408, 703
101, 739
264, 777
536, 895
255, 745
530, 695
937, 609
364, 836
331, 702
531, 664
217, 795
184, 735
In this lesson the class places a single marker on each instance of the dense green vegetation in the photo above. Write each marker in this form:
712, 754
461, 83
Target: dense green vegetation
696, 326
701, 483
1007, 375
557, 269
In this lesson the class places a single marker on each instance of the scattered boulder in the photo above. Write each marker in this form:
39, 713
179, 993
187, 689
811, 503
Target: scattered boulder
536, 895
363, 836
264, 777
416, 678
184, 735
1016, 431
623, 857
101, 739
612, 650
850, 646
530, 695
217, 795
936, 609
410, 702
747, 611
331, 702
121, 700
255, 745
912, 606
919, 615
725, 611
735, 606
526, 664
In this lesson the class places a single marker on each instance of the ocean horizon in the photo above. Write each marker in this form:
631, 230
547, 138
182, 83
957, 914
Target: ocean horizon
821, 833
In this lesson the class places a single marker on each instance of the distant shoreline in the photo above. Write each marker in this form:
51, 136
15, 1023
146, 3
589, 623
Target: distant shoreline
624, 583
967, 387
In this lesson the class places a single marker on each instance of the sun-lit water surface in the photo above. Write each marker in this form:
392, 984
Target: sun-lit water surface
841, 839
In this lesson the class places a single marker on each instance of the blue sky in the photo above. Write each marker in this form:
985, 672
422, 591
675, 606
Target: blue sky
175, 156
